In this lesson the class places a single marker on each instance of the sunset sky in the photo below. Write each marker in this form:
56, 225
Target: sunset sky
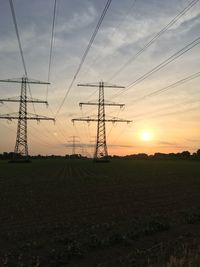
164, 122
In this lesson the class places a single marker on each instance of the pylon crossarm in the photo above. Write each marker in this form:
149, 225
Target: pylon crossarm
97, 85
105, 104
28, 118
7, 118
36, 100
35, 117
87, 119
9, 100
31, 116
117, 120
38, 118
29, 100
104, 120
9, 114
19, 80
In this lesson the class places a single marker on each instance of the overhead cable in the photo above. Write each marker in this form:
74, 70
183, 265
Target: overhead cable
20, 46
167, 61
111, 35
178, 83
51, 46
85, 54
155, 37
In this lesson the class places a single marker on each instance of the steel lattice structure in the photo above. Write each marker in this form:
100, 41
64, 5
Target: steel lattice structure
101, 146
21, 145
101, 151
73, 142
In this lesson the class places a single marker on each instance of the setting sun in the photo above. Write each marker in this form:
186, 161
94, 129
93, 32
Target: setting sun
145, 136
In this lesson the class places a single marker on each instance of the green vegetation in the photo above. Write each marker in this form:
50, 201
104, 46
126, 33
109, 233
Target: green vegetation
76, 213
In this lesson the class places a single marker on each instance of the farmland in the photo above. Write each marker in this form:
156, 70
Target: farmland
77, 213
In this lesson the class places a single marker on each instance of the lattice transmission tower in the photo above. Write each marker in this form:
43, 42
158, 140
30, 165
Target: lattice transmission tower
73, 142
101, 152
21, 145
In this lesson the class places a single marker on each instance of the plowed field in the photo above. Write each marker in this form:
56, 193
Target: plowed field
78, 213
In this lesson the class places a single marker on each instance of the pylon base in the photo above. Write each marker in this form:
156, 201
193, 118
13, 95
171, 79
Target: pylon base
103, 160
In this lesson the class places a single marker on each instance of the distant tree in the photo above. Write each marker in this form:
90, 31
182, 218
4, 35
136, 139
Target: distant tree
194, 155
185, 155
142, 156
172, 155
159, 155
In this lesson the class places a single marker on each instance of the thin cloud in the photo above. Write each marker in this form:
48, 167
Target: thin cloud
79, 20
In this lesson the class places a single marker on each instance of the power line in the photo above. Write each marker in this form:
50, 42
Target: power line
78, 133
176, 55
155, 37
162, 64
113, 32
119, 135
20, 46
60, 125
38, 137
148, 114
157, 92
85, 54
175, 112
42, 141
47, 131
18, 37
178, 83
112, 127
51, 46
86, 130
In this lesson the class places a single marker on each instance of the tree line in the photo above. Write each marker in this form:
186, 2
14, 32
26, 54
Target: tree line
172, 156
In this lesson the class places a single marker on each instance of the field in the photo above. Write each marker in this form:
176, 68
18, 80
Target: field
74, 213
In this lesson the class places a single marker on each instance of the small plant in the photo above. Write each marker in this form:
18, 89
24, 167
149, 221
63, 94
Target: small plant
74, 250
115, 238
193, 217
134, 234
155, 225
4, 261
188, 257
94, 242
35, 262
70, 250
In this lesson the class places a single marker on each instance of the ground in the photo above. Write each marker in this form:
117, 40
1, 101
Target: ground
77, 213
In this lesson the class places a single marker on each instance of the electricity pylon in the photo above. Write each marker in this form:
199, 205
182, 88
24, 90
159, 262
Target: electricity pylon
74, 140
21, 146
101, 152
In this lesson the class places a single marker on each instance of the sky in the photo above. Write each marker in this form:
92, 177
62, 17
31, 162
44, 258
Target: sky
166, 122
